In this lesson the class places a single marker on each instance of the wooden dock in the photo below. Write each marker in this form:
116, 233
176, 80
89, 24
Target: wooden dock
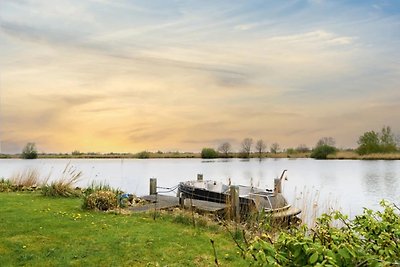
162, 202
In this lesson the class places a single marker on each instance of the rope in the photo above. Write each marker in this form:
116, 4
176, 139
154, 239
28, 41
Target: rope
167, 189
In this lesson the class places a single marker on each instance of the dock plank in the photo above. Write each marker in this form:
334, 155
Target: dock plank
161, 202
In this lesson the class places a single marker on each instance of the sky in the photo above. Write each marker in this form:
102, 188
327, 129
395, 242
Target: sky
126, 76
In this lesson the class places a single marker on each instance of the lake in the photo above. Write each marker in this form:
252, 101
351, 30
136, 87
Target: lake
348, 185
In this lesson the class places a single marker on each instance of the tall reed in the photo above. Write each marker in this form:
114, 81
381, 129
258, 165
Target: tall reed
311, 205
27, 178
65, 186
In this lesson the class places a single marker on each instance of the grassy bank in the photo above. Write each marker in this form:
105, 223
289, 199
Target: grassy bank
43, 231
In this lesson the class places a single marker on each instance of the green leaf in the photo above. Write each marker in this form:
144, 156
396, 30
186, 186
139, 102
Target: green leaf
344, 253
314, 257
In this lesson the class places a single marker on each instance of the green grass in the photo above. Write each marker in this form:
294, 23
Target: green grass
42, 231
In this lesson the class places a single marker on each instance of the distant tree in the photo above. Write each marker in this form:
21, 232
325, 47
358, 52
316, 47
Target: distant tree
225, 148
209, 153
275, 148
143, 154
326, 141
388, 140
77, 153
246, 147
260, 147
322, 151
302, 148
324, 147
374, 142
29, 151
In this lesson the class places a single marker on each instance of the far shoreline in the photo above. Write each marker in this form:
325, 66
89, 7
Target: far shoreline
340, 155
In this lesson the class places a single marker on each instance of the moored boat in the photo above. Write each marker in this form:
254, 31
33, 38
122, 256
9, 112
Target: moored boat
250, 198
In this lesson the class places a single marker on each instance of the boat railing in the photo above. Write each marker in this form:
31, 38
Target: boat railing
278, 209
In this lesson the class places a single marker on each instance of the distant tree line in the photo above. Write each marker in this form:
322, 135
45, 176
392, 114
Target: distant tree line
369, 142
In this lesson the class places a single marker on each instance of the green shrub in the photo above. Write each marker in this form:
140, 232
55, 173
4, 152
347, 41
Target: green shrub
209, 153
322, 151
5, 185
371, 239
100, 200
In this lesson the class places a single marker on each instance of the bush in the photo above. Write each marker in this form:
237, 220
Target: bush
101, 200
29, 151
371, 239
209, 153
322, 151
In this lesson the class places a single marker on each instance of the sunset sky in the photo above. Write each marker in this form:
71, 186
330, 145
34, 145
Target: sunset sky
126, 76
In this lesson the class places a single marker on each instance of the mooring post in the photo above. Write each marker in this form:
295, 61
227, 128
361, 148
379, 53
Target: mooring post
200, 177
153, 186
181, 200
234, 201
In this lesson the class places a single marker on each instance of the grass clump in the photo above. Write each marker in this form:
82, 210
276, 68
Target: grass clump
101, 200
101, 196
65, 186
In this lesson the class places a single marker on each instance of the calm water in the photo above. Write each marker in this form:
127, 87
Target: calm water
346, 184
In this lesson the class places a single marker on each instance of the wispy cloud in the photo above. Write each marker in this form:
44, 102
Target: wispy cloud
132, 75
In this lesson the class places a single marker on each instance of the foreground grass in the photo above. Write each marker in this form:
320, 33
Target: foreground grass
42, 231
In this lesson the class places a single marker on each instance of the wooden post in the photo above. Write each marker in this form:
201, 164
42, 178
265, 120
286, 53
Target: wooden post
181, 200
234, 201
153, 186
199, 177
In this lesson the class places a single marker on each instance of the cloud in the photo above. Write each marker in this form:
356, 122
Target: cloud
123, 76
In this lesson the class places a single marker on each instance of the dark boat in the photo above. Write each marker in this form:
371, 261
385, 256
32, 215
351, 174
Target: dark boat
250, 198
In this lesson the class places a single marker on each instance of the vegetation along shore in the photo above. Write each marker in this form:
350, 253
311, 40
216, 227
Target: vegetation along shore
48, 224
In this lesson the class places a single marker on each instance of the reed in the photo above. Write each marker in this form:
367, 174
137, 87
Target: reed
311, 205
27, 178
65, 186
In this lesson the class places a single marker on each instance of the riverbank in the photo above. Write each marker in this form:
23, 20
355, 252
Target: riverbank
43, 231
341, 154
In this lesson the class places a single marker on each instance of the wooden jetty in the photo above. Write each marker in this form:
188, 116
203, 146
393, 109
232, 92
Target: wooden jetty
163, 202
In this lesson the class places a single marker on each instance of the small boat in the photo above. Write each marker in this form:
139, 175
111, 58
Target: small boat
250, 198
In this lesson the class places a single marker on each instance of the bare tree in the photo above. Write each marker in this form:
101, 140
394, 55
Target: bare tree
275, 148
330, 141
246, 146
302, 148
260, 147
225, 148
